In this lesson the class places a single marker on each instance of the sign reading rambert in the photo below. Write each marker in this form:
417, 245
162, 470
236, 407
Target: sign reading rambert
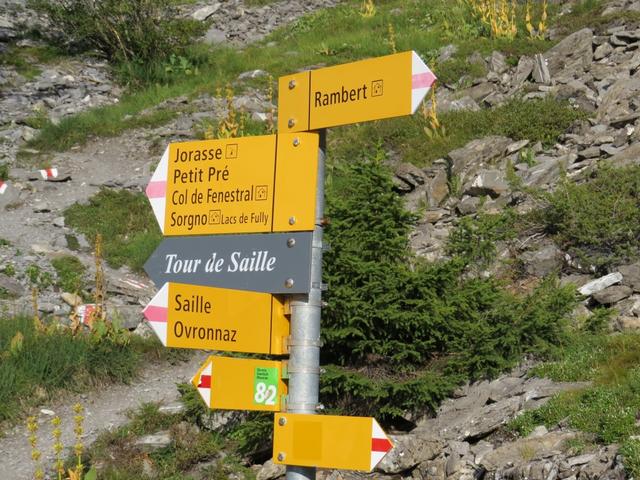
241, 384
383, 87
185, 316
269, 262
239, 185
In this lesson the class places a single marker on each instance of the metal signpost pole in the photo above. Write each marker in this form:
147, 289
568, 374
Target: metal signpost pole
304, 343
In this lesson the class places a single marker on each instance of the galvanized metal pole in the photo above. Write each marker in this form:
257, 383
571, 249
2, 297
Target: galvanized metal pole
304, 343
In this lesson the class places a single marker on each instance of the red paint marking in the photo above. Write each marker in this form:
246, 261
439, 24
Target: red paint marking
155, 314
422, 80
380, 445
205, 381
3, 186
49, 172
156, 189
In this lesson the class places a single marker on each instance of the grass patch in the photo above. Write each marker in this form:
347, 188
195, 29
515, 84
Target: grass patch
121, 459
38, 366
69, 270
536, 120
125, 220
26, 59
606, 410
424, 25
597, 222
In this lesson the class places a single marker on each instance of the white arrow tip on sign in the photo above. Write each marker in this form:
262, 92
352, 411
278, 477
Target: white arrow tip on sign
380, 443
421, 80
157, 312
157, 189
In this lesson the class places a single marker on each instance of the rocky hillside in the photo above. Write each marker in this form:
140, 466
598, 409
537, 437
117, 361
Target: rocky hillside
596, 69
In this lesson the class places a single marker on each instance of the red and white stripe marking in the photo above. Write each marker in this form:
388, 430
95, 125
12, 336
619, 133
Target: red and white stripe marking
157, 189
3, 187
421, 80
380, 443
157, 311
85, 311
48, 173
202, 381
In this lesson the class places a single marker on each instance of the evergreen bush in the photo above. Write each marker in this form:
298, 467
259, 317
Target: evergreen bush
124, 31
597, 222
400, 332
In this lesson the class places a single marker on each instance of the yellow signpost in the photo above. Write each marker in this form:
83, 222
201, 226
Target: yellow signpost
383, 87
241, 384
208, 318
351, 443
238, 185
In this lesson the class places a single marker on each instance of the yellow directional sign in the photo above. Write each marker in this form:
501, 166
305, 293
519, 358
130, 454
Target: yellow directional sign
207, 318
241, 384
238, 185
350, 443
383, 87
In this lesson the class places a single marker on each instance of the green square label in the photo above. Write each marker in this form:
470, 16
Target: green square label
265, 386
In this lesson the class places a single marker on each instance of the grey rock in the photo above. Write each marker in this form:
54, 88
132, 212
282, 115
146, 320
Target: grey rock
12, 286
206, 11
437, 184
617, 101
600, 284
627, 323
612, 294
541, 71
127, 316
511, 453
270, 471
628, 157
71, 299
409, 451
488, 182
479, 92
173, 408
602, 51
631, 276
544, 261
215, 36
477, 153
154, 442
252, 74
523, 70
447, 52
498, 62
468, 205
408, 177
574, 53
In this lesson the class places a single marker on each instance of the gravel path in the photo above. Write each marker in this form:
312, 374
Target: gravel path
104, 409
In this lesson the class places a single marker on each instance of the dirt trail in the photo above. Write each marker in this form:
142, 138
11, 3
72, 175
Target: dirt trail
104, 409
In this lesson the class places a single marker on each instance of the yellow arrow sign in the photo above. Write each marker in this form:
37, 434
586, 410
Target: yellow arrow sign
207, 318
350, 443
383, 87
237, 185
240, 384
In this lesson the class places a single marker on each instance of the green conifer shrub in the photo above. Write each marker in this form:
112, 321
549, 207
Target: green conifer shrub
400, 333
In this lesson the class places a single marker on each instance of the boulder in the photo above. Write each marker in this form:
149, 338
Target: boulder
574, 53
543, 261
409, 451
617, 100
631, 276
270, 471
477, 153
613, 294
601, 283
488, 182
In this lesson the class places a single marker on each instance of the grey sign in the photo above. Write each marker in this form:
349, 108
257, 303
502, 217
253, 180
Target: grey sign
269, 263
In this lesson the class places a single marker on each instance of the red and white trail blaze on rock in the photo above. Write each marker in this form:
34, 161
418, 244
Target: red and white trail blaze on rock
3, 187
380, 443
84, 312
48, 173
157, 312
421, 80
157, 189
